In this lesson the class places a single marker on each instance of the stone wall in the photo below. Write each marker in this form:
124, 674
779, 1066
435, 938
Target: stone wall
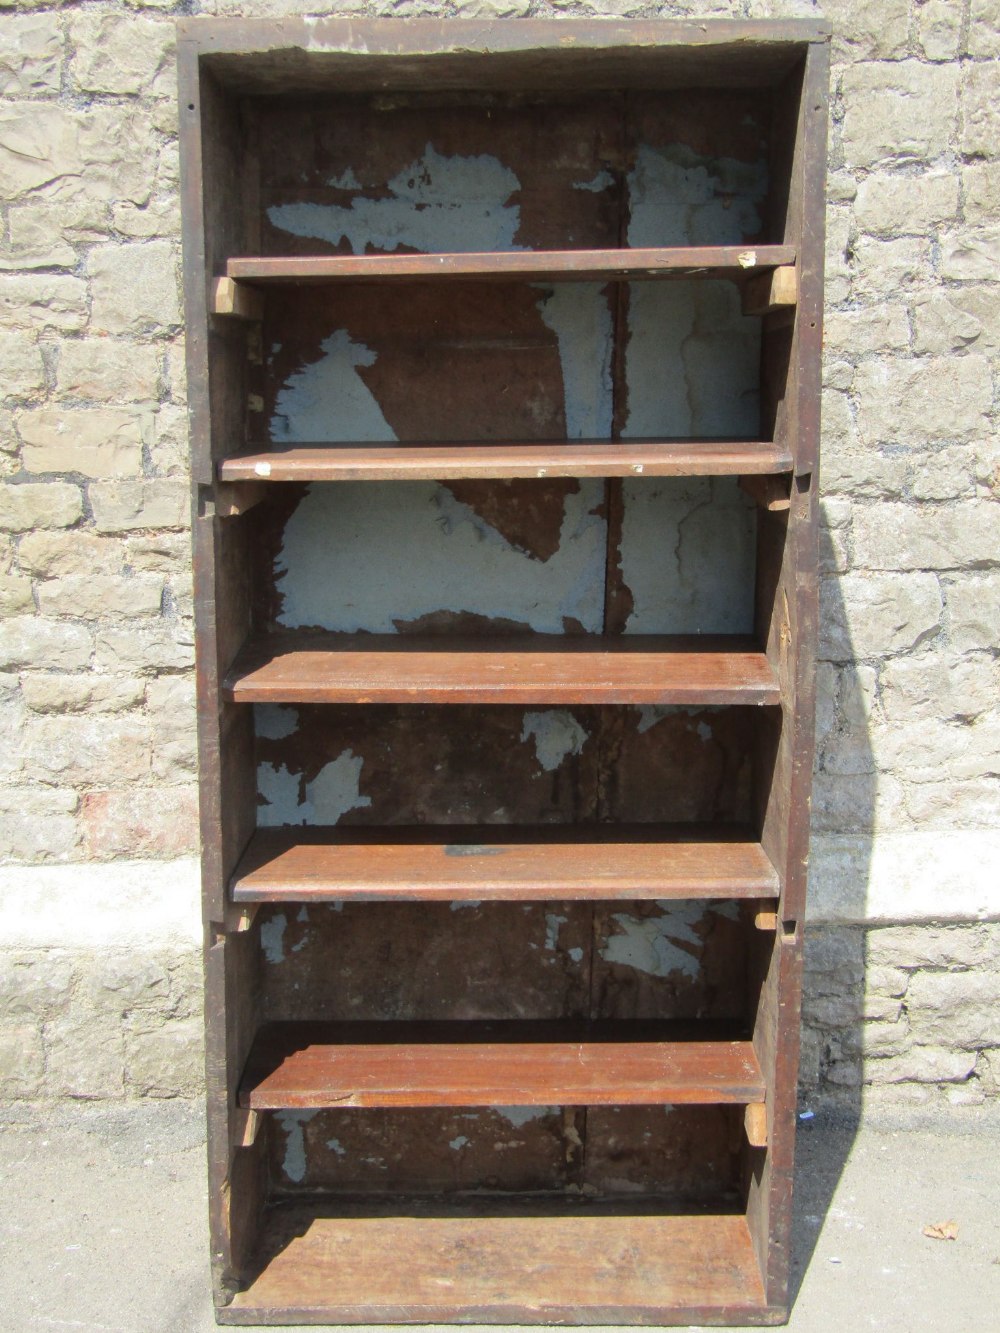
100, 991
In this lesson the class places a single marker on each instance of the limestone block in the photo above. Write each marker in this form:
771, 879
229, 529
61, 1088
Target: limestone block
39, 143
170, 450
971, 256
168, 552
117, 53
901, 536
97, 596
22, 1060
950, 320
938, 749
954, 805
50, 693
984, 29
97, 442
836, 954
35, 982
85, 1051
882, 979
160, 821
121, 981
30, 641
895, 204
862, 31
128, 505
134, 287
108, 370
42, 301
884, 1032
43, 226
22, 374
939, 29
837, 268
177, 371
939, 685
164, 646
53, 554
31, 53
946, 474
160, 217
906, 400
15, 595
886, 268
902, 111
866, 615
974, 611
980, 110
955, 1008
51, 504
981, 192
921, 946
923, 1064
167, 1061
877, 328
87, 751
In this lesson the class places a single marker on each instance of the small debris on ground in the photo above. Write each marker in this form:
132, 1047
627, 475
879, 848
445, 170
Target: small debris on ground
942, 1231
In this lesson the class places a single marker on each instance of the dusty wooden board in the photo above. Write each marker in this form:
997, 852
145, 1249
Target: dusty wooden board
542, 669
542, 864
351, 1064
505, 266
378, 462
589, 1266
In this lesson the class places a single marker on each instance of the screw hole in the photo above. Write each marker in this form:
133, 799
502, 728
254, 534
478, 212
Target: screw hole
190, 106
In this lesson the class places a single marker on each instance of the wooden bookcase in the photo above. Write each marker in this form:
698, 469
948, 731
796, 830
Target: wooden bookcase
503, 352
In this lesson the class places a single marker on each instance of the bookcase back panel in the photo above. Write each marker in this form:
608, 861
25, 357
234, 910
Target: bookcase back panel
494, 172
502, 556
419, 764
503, 961
688, 1154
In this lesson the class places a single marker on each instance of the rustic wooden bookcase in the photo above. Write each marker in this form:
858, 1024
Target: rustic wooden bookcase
503, 352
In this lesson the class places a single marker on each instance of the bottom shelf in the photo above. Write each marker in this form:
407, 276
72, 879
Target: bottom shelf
517, 1264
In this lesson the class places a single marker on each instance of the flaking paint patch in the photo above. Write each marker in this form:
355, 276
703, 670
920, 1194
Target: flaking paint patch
460, 1142
328, 399
598, 184
275, 722
435, 203
687, 556
272, 938
677, 197
335, 790
519, 1116
294, 1161
552, 923
654, 944
336, 1146
556, 733
579, 314
332, 576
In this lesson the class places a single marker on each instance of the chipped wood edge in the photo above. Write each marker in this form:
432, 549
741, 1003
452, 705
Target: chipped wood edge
755, 1123
776, 290
235, 300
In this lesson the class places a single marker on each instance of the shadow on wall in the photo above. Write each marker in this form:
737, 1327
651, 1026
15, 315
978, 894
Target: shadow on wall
831, 1070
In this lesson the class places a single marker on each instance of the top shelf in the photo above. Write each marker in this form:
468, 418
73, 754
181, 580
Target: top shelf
515, 265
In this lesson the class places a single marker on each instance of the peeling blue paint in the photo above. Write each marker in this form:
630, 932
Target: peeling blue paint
436, 203
334, 791
556, 733
272, 934
294, 1162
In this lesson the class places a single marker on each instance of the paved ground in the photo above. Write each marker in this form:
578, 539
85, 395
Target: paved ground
102, 1223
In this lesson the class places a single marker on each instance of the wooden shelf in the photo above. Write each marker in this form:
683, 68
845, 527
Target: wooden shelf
434, 1263
444, 462
515, 265
302, 1065
536, 669
502, 863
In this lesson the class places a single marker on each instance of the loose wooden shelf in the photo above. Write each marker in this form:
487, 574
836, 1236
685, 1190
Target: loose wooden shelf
447, 462
434, 1263
502, 864
303, 1065
513, 265
554, 669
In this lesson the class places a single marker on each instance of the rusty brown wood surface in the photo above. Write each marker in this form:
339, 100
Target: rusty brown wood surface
553, 669
506, 266
385, 462
361, 1065
541, 864
593, 1266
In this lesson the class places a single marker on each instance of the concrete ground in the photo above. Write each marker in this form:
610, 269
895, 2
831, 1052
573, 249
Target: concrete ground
102, 1222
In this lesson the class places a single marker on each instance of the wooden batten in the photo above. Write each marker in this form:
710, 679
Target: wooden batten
776, 290
770, 493
235, 498
766, 916
755, 1123
235, 300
